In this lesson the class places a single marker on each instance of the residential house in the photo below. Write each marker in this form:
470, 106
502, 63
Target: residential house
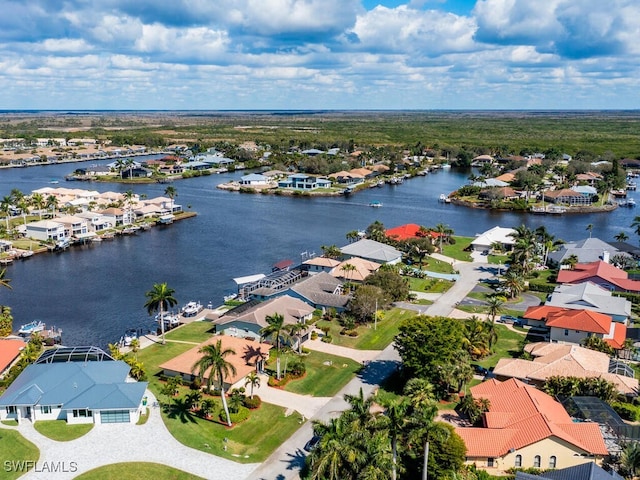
96, 222
118, 216
562, 360
524, 427
586, 251
589, 178
355, 269
372, 250
490, 182
348, 178
249, 356
254, 179
74, 226
602, 274
498, 193
321, 291
566, 196
589, 296
165, 204
301, 181
411, 230
46, 230
496, 235
246, 321
76, 384
320, 264
9, 351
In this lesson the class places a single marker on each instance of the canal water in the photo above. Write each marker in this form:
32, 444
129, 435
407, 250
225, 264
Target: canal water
96, 292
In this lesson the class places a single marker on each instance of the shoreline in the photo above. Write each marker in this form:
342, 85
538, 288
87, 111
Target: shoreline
569, 210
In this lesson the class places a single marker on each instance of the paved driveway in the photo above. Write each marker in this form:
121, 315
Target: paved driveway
116, 443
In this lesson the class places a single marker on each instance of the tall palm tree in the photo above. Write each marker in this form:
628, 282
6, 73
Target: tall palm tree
172, 193
395, 416
4, 282
495, 303
274, 328
213, 360
52, 203
590, 229
293, 330
420, 392
129, 197
422, 429
253, 380
444, 233
352, 236
636, 224
5, 208
37, 200
630, 458
513, 283
160, 299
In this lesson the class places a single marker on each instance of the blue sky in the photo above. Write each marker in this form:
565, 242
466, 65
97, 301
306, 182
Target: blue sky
319, 54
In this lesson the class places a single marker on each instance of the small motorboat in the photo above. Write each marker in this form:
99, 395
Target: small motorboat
444, 198
375, 204
130, 335
32, 327
191, 309
170, 320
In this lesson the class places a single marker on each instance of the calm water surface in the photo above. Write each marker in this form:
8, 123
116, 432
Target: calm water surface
95, 292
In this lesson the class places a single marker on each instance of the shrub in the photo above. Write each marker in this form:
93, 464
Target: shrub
196, 384
325, 329
305, 350
626, 411
314, 336
253, 403
327, 339
297, 368
241, 415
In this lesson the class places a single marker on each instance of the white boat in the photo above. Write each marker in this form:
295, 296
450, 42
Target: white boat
446, 166
129, 336
54, 181
170, 319
375, 204
32, 327
191, 309
228, 298
166, 219
444, 198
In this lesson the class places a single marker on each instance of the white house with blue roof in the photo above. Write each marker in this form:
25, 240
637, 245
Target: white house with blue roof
76, 384
301, 181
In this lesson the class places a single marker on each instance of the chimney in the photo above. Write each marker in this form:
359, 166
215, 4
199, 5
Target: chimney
605, 256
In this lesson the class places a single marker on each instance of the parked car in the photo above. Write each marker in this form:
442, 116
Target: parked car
480, 370
311, 443
508, 319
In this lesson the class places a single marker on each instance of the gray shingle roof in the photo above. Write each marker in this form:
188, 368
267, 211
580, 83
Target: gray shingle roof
372, 250
587, 250
319, 290
589, 296
585, 471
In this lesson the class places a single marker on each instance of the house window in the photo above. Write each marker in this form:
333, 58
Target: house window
11, 409
566, 332
518, 461
490, 462
82, 412
536, 461
45, 409
552, 461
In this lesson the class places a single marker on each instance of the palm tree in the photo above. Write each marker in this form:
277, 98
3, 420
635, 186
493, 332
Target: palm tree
160, 299
135, 346
395, 416
422, 429
420, 392
52, 203
253, 380
4, 282
331, 251
621, 237
352, 236
129, 197
495, 303
5, 208
294, 330
172, 193
37, 200
571, 260
348, 269
630, 458
275, 324
590, 229
636, 224
444, 232
475, 339
213, 360
513, 283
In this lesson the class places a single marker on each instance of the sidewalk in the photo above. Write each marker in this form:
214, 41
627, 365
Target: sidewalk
359, 356
304, 404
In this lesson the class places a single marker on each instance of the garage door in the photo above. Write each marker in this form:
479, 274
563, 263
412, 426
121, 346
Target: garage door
114, 416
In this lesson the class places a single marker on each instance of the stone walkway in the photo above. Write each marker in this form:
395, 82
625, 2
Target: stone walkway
116, 443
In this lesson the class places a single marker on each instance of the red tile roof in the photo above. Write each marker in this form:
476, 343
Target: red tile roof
410, 230
619, 336
540, 312
583, 320
9, 351
584, 272
520, 415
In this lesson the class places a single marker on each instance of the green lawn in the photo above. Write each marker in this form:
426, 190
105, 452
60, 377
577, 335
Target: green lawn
498, 259
11, 423
251, 441
369, 338
326, 374
429, 285
457, 250
60, 430
192, 332
15, 448
136, 471
509, 345
433, 265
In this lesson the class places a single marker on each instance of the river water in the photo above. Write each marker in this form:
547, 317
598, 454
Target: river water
96, 292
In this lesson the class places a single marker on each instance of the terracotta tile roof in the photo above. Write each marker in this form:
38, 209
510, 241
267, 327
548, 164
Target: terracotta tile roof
243, 360
540, 312
9, 351
410, 230
583, 272
363, 268
555, 359
322, 262
619, 336
565, 192
520, 415
292, 309
583, 320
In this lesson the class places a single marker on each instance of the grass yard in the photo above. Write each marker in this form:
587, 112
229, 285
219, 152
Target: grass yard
60, 430
434, 265
326, 374
498, 260
368, 338
457, 250
16, 448
509, 345
143, 417
11, 423
429, 285
251, 441
192, 332
136, 471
